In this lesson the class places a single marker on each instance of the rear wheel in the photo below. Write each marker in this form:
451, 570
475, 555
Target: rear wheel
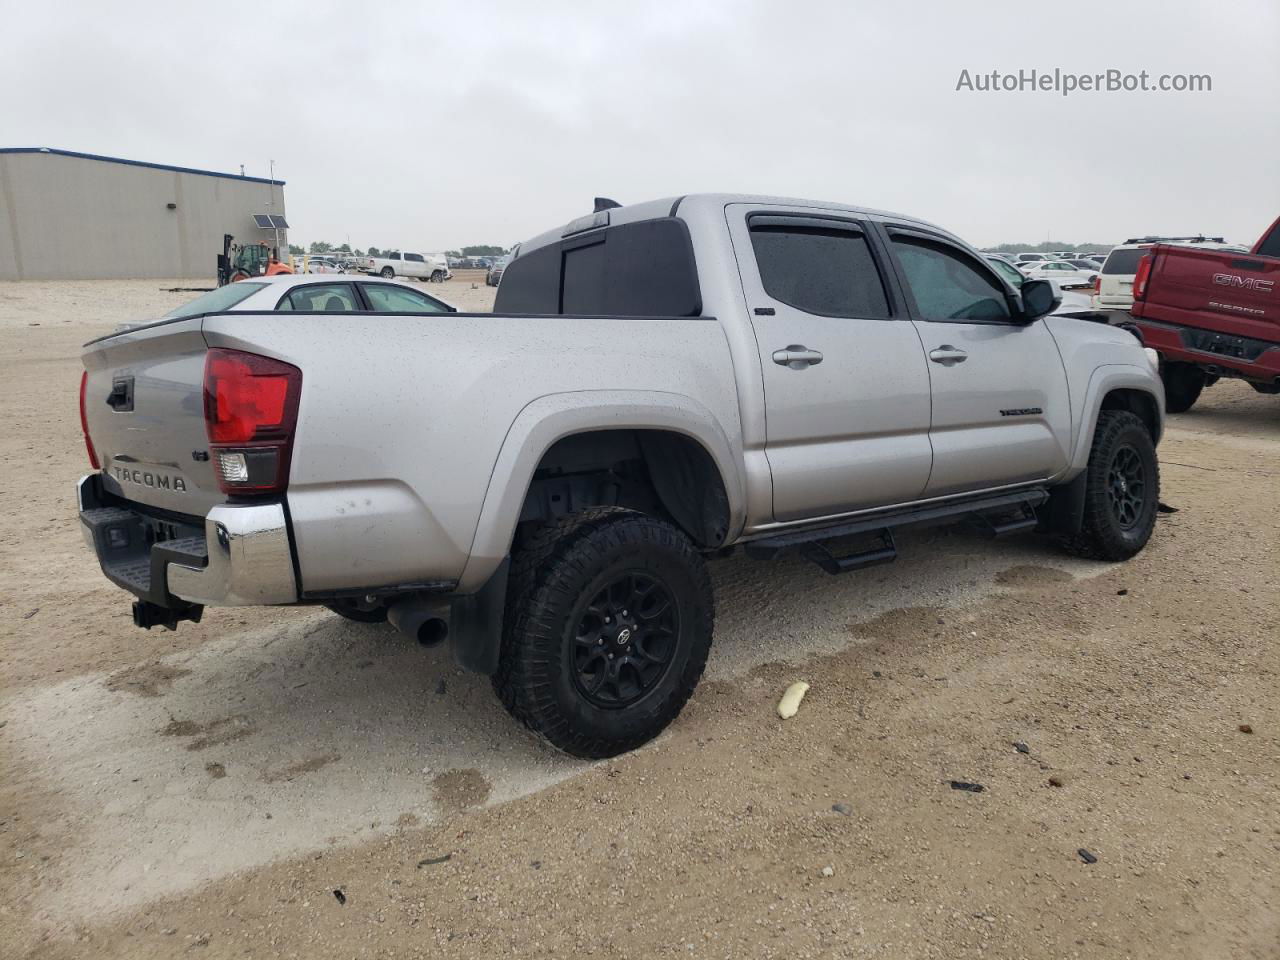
349, 610
387, 273
1182, 385
1122, 489
608, 625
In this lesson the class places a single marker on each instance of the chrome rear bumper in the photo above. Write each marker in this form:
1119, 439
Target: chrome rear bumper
243, 557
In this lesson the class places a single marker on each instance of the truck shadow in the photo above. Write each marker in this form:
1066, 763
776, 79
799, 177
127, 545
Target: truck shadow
276, 741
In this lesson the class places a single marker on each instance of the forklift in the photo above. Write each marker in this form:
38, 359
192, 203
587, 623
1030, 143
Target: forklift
239, 261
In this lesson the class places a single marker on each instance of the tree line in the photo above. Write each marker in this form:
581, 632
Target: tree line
319, 247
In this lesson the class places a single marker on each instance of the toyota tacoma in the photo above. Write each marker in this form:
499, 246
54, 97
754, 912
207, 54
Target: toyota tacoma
541, 486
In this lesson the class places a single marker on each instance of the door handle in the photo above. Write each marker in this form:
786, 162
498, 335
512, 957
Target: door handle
796, 356
947, 355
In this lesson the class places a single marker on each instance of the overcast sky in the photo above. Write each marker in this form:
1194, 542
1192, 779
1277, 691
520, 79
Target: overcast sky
433, 125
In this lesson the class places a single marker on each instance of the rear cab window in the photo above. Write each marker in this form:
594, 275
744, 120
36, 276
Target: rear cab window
640, 269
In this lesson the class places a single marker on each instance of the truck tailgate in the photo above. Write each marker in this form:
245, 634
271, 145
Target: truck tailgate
1217, 290
144, 408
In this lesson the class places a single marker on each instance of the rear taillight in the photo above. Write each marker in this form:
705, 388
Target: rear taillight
1142, 276
250, 412
84, 424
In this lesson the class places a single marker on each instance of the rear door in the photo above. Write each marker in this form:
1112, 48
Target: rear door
845, 380
1001, 414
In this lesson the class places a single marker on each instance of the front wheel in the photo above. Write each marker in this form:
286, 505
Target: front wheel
1182, 385
607, 629
1122, 489
387, 273
437, 276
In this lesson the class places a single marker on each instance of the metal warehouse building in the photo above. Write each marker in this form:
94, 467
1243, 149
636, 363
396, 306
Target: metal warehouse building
66, 215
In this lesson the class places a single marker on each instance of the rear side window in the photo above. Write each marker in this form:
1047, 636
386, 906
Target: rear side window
1124, 261
947, 285
320, 298
818, 269
388, 298
632, 269
413, 258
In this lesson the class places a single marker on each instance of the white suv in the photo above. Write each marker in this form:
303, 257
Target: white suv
1115, 283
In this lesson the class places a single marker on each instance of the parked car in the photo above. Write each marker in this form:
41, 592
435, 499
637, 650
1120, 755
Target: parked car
544, 493
419, 266
1115, 282
319, 263
303, 293
494, 276
1031, 257
1210, 312
1070, 302
1069, 276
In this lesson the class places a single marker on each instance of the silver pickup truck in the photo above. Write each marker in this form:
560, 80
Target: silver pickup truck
659, 382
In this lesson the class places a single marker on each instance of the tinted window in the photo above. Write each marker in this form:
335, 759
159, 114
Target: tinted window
947, 285
216, 300
633, 269
822, 270
1009, 272
1269, 246
320, 298
413, 257
1124, 261
388, 298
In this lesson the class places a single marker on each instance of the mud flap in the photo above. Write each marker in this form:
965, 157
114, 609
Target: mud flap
475, 623
1064, 513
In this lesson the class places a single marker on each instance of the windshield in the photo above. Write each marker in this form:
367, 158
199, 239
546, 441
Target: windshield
215, 301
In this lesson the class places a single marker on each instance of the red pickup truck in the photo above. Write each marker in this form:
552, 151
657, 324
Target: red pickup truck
1211, 314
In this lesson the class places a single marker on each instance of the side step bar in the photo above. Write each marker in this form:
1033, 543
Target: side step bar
998, 516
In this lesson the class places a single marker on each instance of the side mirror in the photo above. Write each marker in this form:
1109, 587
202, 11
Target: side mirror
1039, 297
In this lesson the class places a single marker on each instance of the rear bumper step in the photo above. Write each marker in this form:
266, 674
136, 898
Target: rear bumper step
239, 555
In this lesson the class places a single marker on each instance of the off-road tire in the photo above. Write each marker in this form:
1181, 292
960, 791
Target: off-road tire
1119, 436
351, 612
387, 273
437, 276
555, 575
1182, 385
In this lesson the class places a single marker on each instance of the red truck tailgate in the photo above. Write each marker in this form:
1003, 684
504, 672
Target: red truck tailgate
1217, 290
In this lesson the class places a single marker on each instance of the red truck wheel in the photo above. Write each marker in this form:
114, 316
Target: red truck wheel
1182, 385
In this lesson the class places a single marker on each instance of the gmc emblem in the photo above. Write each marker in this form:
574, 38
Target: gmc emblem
1245, 283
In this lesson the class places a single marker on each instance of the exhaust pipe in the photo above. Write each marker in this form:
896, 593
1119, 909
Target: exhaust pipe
420, 620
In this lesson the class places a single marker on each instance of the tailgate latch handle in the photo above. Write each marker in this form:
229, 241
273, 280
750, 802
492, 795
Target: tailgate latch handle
120, 398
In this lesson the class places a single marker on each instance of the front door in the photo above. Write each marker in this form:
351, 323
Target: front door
1001, 413
845, 379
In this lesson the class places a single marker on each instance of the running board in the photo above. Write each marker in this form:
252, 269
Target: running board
993, 513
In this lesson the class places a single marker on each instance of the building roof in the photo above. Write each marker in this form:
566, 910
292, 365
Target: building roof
138, 163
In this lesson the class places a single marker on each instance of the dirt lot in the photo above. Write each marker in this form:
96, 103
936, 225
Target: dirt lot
285, 783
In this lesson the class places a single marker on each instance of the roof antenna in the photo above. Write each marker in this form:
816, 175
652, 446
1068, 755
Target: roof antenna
604, 203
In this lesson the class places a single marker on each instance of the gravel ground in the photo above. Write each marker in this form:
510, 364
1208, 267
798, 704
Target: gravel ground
211, 789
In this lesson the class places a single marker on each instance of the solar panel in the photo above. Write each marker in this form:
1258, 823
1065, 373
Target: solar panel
262, 221
279, 222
